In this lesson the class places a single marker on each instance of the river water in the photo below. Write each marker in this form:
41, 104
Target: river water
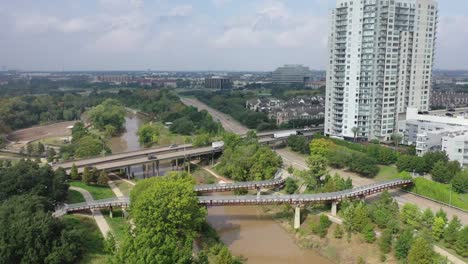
246, 230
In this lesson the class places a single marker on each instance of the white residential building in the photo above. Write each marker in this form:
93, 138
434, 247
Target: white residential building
380, 62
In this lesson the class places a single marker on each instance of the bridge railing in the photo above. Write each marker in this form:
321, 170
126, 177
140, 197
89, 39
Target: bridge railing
254, 199
303, 198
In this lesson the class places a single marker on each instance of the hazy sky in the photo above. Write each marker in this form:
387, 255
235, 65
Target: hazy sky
187, 35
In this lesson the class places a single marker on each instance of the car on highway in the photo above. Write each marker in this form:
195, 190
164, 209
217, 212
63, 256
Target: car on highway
173, 146
152, 157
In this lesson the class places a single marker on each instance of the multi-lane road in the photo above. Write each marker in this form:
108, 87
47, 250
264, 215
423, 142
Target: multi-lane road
228, 122
298, 161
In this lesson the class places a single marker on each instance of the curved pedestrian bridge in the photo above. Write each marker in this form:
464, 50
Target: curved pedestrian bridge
298, 199
226, 187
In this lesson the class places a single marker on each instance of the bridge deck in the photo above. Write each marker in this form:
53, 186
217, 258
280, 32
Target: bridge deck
254, 200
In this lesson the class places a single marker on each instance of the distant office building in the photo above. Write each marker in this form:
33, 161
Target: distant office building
290, 74
380, 62
217, 82
115, 78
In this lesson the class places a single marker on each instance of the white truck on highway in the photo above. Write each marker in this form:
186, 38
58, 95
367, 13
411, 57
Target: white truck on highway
284, 134
217, 144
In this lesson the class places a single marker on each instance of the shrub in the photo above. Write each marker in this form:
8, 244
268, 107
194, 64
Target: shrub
290, 186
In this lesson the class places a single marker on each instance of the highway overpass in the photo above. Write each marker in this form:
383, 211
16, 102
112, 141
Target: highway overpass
141, 157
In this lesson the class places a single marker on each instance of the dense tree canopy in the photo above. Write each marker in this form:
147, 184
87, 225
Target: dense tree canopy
108, 116
167, 217
28, 177
29, 233
247, 160
24, 111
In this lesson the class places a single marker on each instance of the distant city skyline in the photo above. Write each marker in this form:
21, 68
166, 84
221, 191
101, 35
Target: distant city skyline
209, 35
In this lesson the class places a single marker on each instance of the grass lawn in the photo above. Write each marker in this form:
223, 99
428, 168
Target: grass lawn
94, 242
74, 197
202, 176
440, 192
118, 224
98, 192
124, 187
386, 173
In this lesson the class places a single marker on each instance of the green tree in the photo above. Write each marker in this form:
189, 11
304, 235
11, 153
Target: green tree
442, 214
89, 146
148, 134
368, 233
51, 153
396, 138
317, 167
403, 244
461, 246
385, 241
299, 144
202, 140
30, 234
224, 257
441, 173
28, 177
438, 228
290, 186
451, 232
109, 113
40, 148
460, 182
110, 243
432, 157
103, 178
78, 131
29, 149
321, 147
87, 177
427, 218
338, 233
384, 211
411, 215
167, 218
74, 173
421, 252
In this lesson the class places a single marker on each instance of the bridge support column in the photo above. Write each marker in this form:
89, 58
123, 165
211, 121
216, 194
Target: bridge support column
157, 168
153, 167
110, 212
177, 164
258, 192
334, 208
297, 217
129, 172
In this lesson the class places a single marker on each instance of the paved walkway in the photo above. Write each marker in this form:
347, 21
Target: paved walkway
115, 189
97, 215
219, 177
450, 257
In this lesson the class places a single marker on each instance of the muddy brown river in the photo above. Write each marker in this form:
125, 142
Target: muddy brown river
246, 230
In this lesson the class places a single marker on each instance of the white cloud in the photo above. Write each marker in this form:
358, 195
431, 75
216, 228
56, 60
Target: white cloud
181, 11
273, 24
220, 3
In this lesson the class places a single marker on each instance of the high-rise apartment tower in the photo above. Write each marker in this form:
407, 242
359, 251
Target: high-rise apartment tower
380, 62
